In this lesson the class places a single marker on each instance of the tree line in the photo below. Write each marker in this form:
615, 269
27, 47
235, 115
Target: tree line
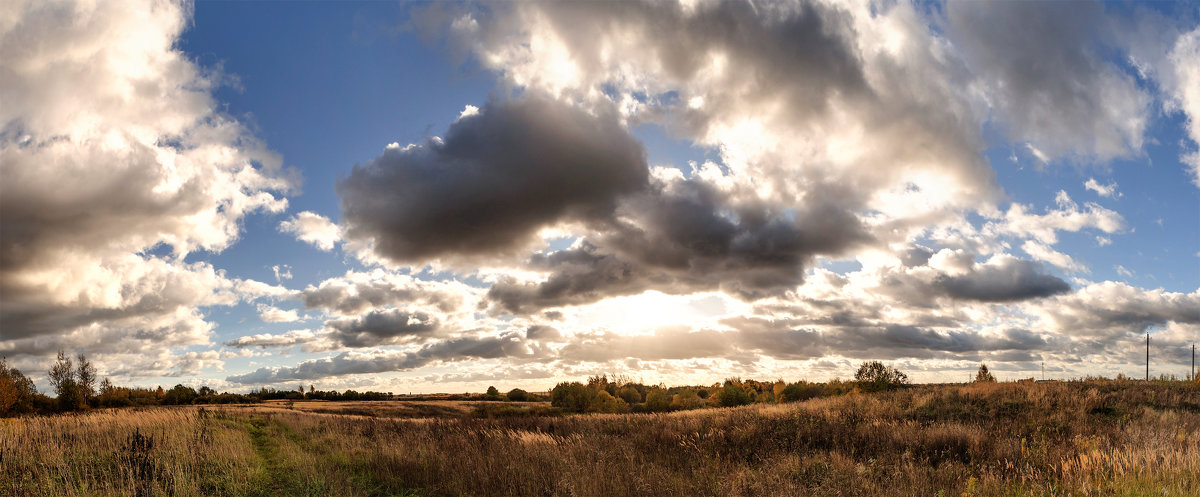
74, 381
600, 394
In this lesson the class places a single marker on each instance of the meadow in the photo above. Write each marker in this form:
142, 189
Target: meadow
1070, 438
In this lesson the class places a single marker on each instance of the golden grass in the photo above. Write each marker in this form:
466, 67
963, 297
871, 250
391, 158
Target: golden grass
1099, 438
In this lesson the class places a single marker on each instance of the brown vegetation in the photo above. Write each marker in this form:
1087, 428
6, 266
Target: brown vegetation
1072, 438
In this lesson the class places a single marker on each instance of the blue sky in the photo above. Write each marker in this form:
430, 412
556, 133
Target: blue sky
440, 197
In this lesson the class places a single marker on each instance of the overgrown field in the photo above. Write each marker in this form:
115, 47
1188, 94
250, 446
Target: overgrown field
1078, 438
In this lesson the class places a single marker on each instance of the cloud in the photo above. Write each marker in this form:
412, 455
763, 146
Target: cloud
357, 291
272, 314
382, 327
498, 176
1044, 68
687, 236
288, 339
1185, 92
117, 164
348, 363
1113, 309
1002, 279
1109, 190
1044, 253
314, 229
1018, 221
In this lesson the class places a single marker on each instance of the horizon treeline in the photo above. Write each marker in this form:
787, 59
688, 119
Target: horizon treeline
76, 389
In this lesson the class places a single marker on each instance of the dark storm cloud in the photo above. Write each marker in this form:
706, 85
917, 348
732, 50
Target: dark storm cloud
497, 177
687, 238
1009, 281
383, 327
346, 363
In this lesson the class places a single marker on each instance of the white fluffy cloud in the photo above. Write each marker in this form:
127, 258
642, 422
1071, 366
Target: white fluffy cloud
111, 146
313, 228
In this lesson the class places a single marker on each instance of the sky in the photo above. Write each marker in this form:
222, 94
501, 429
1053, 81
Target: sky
439, 197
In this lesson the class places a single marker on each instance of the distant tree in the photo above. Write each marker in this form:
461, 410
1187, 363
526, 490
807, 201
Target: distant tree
517, 395
572, 397
62, 378
983, 375
657, 399
733, 395
300, 389
605, 402
798, 391
687, 399
492, 393
629, 394
179, 394
206, 391
873, 376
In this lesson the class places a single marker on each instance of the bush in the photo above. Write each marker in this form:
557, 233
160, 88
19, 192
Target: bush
795, 392
873, 376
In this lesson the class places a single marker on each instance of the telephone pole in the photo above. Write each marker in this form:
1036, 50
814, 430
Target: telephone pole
1147, 357
1193, 362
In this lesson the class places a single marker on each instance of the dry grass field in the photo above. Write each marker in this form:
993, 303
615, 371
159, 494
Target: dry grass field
1077, 438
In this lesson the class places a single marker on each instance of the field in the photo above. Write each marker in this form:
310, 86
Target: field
1075, 438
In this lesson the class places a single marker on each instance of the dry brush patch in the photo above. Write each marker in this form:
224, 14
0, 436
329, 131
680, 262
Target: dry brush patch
1079, 438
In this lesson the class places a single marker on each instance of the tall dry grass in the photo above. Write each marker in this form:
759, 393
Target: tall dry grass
1082, 438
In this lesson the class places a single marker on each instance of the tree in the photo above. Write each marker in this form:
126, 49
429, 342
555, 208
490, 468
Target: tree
16, 391
873, 376
687, 399
733, 395
984, 376
62, 377
572, 397
179, 394
492, 393
517, 395
657, 399
85, 376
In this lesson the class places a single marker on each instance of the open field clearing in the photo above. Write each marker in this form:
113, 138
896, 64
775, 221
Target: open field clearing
1109, 438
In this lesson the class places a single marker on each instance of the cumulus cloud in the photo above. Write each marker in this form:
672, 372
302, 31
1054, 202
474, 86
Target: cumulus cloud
272, 314
1047, 77
113, 150
314, 229
497, 177
1184, 84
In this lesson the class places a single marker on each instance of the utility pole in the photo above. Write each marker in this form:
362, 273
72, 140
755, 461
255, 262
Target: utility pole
1193, 362
1147, 357
1043, 370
